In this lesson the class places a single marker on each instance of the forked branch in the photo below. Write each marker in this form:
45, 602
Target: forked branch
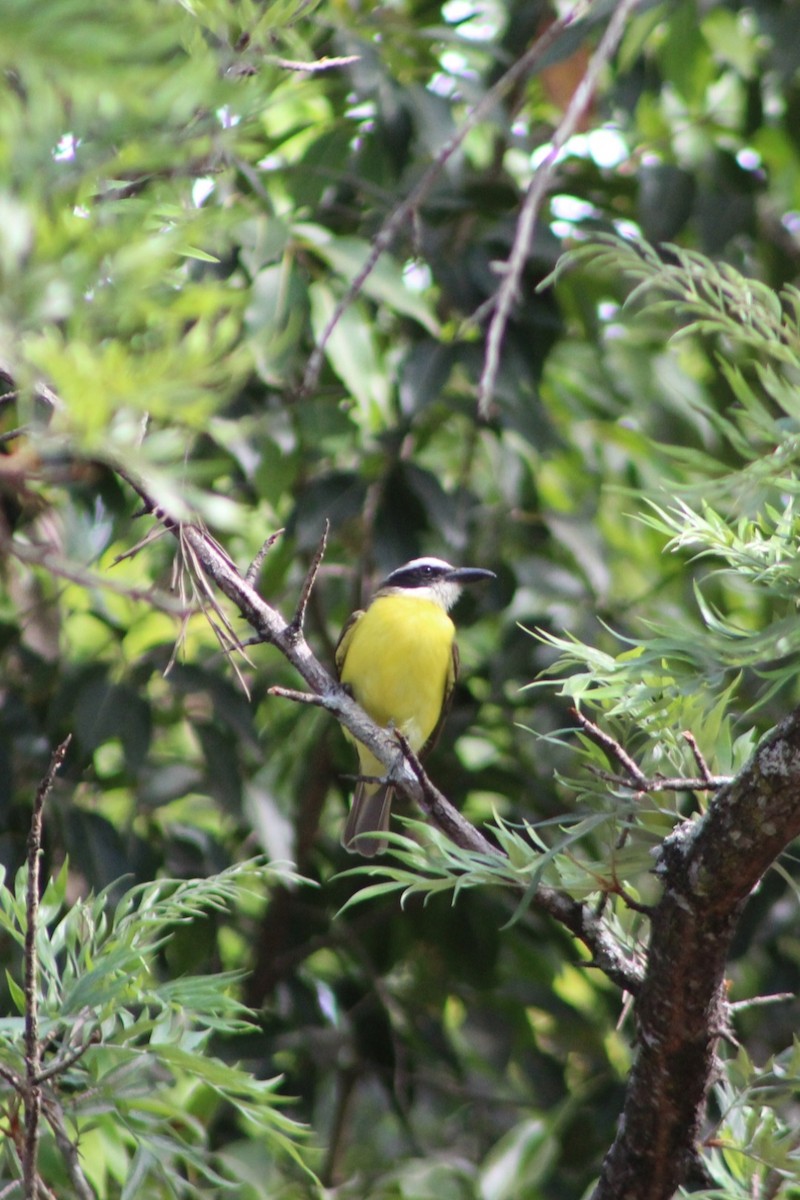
326, 692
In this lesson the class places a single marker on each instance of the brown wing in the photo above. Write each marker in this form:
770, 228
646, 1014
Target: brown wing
340, 653
369, 813
450, 683
371, 806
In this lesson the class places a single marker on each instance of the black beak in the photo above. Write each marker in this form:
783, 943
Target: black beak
470, 574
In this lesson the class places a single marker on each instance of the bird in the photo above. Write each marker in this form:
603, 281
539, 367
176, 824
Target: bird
399, 660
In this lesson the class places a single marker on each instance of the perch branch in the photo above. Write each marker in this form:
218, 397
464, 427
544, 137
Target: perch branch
326, 692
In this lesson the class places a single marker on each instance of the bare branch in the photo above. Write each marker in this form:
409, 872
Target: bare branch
327, 63
691, 741
613, 749
398, 219
46, 558
298, 621
69, 1150
33, 1093
251, 574
298, 697
708, 869
663, 783
761, 1001
327, 692
508, 291
65, 1061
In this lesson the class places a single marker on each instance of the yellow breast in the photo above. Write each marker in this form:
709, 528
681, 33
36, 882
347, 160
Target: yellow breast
398, 664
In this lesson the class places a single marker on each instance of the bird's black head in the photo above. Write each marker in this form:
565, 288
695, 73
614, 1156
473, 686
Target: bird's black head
434, 579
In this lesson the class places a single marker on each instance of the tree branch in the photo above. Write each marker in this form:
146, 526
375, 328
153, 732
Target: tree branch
634, 777
69, 1151
708, 868
327, 693
588, 927
508, 292
299, 618
287, 638
33, 1052
398, 218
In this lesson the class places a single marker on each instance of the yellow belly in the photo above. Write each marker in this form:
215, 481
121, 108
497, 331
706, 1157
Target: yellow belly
398, 664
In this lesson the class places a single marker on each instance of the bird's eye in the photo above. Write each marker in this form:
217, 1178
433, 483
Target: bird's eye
427, 569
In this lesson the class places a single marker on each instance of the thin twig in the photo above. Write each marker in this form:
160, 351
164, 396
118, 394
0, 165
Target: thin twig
152, 535
414, 761
758, 1001
691, 741
298, 697
612, 749
59, 1065
42, 556
634, 778
33, 1064
399, 217
12, 434
298, 620
12, 1079
663, 783
318, 65
251, 574
508, 292
206, 596
69, 1151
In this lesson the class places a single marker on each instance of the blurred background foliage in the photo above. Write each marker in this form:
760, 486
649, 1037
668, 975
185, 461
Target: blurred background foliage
182, 204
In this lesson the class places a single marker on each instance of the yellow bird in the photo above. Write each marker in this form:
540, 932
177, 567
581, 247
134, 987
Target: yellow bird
399, 660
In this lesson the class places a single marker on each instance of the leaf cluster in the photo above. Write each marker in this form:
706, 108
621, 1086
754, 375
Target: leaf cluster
129, 1060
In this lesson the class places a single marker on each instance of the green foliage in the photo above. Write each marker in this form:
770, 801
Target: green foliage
731, 506
128, 1062
181, 209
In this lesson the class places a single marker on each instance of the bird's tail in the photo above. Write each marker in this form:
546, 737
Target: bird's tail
370, 814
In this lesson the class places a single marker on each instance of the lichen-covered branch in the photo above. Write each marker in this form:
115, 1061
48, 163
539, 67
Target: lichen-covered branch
708, 868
